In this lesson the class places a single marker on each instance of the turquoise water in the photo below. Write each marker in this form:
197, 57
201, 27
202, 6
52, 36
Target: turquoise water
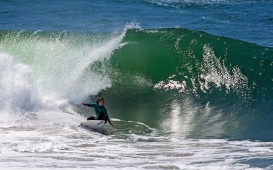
188, 84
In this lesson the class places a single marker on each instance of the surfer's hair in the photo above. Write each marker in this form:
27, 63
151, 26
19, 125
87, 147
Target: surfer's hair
99, 99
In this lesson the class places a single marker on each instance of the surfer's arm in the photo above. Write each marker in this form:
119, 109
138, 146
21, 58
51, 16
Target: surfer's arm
108, 119
110, 122
89, 105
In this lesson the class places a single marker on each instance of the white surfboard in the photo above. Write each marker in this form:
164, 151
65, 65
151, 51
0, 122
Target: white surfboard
96, 125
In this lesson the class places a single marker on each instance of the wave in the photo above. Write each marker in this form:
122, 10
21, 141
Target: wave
186, 82
182, 79
43, 73
196, 63
59, 60
196, 4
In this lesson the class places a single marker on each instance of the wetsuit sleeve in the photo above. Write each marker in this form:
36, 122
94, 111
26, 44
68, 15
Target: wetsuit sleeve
90, 105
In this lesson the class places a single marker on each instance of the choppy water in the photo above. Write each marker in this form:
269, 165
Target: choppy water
187, 83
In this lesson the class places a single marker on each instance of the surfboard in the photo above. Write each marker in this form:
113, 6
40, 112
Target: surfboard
96, 125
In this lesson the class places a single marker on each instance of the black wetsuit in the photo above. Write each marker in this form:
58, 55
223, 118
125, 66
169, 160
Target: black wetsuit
101, 112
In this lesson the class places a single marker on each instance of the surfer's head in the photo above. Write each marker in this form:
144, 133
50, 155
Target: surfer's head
100, 101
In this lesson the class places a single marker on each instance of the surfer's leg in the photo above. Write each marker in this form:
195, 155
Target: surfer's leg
102, 118
91, 118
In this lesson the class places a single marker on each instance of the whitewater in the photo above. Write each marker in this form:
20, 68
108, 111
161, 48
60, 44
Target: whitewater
187, 84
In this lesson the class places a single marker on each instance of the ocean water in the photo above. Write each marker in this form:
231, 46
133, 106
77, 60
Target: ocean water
188, 84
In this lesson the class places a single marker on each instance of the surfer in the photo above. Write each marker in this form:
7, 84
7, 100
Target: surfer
101, 112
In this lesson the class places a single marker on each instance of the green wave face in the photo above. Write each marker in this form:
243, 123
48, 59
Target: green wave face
192, 83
